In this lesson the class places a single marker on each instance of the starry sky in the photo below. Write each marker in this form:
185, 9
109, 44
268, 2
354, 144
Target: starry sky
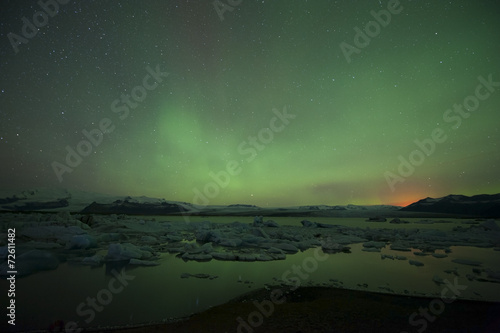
272, 103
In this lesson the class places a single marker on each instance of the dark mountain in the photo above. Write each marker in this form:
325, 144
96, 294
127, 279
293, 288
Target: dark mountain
34, 206
134, 208
482, 205
49, 199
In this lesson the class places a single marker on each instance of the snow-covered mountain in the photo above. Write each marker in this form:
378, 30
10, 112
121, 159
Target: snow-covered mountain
47, 199
487, 205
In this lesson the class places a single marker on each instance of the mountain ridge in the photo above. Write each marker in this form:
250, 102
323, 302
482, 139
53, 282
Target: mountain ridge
77, 201
487, 205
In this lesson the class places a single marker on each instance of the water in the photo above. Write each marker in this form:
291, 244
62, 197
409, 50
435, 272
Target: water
356, 222
159, 292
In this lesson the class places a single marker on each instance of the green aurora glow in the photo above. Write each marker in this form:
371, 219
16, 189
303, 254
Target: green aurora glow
352, 119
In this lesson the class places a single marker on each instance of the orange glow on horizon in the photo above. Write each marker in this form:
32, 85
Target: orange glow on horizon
412, 191
405, 202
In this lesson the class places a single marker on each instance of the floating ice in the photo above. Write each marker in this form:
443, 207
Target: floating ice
126, 251
32, 262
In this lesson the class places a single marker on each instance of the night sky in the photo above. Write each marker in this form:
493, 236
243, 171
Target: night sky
276, 100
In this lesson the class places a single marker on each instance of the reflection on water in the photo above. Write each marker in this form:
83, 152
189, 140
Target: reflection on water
101, 296
356, 222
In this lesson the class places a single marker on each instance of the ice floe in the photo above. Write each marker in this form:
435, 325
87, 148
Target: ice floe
98, 239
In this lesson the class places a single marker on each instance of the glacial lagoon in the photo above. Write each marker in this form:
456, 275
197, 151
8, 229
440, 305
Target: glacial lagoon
163, 292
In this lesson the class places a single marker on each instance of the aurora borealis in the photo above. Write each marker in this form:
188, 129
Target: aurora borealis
95, 65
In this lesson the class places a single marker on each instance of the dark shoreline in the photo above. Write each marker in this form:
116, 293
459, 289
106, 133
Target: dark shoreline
326, 309
273, 213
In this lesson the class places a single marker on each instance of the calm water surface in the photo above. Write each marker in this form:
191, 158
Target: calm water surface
159, 292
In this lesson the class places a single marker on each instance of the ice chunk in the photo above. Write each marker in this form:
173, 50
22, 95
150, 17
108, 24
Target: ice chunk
257, 221
416, 263
437, 279
197, 256
467, 262
271, 224
377, 245
370, 249
199, 276
139, 262
493, 274
208, 236
3, 252
149, 239
234, 242
32, 262
81, 242
259, 233
246, 256
309, 224
223, 256
490, 225
109, 237
95, 260
52, 231
41, 245
126, 251
287, 247
330, 247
